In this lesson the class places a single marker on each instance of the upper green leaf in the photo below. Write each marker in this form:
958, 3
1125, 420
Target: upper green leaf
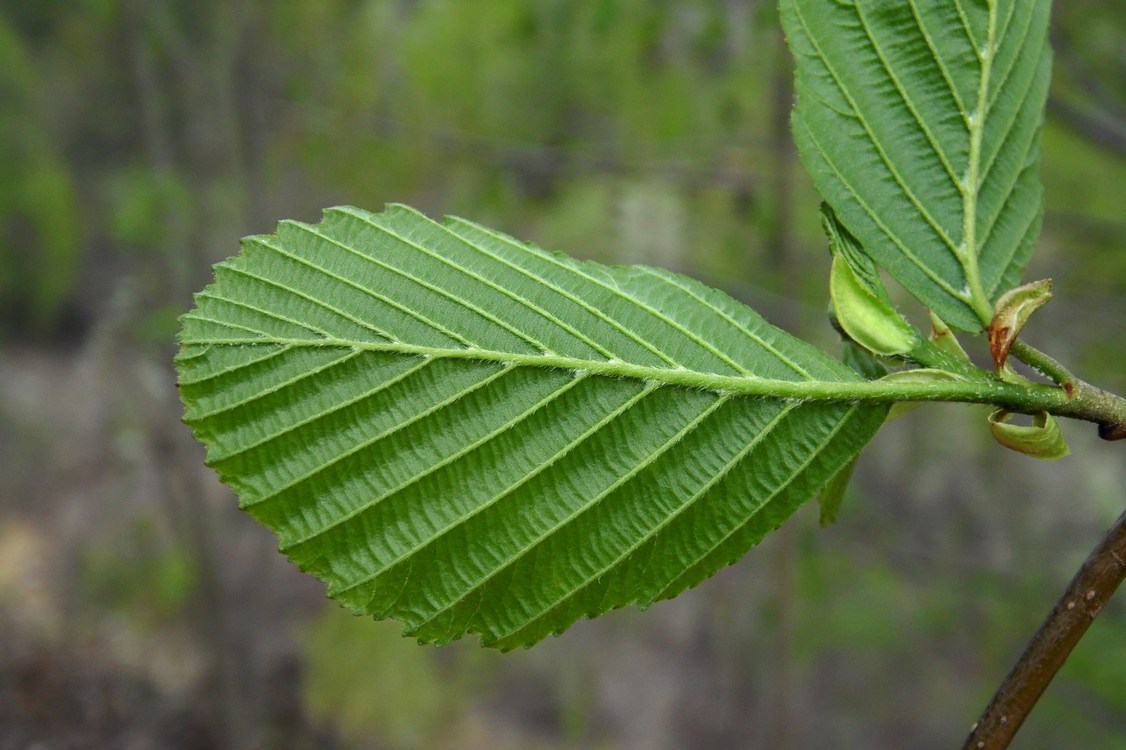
920, 125
470, 434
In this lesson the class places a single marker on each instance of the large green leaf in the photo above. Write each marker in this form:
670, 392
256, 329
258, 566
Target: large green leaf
920, 125
470, 434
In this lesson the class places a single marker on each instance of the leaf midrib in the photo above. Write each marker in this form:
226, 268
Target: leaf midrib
983, 389
750, 384
972, 188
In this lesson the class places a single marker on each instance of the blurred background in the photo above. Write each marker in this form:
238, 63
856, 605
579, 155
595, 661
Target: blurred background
140, 609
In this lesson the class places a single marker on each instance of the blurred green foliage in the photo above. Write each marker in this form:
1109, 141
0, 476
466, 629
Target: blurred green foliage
138, 575
39, 218
387, 688
146, 136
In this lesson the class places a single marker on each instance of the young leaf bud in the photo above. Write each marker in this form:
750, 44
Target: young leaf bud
943, 338
1042, 439
867, 319
1011, 313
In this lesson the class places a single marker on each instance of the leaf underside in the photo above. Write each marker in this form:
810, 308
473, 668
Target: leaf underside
920, 125
429, 418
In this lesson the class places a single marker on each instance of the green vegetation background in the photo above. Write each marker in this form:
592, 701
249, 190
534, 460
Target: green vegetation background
140, 140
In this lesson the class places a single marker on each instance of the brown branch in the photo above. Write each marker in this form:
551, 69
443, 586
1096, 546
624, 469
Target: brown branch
1084, 598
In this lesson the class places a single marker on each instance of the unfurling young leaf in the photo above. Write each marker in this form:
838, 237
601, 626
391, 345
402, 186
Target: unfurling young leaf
1042, 439
945, 340
1013, 310
866, 318
472, 435
861, 305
